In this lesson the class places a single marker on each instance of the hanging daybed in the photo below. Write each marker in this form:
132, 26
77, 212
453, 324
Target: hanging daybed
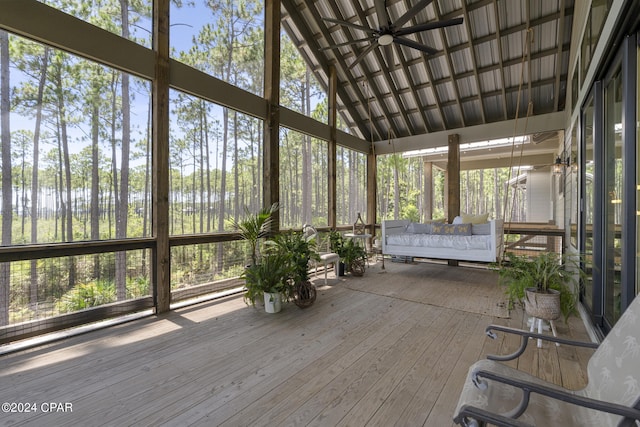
462, 242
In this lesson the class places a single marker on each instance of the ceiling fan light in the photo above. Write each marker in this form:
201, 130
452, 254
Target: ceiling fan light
385, 39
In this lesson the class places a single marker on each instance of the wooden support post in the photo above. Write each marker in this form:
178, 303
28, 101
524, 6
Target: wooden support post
427, 190
332, 147
271, 148
453, 181
372, 162
161, 255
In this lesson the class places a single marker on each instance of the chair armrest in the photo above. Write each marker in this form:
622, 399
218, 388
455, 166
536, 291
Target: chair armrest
555, 393
525, 339
478, 414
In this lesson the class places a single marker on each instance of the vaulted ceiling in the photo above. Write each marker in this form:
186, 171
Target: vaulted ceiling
487, 69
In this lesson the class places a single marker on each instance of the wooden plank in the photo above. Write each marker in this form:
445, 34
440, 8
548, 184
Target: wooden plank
423, 336
301, 386
273, 375
355, 357
422, 404
396, 404
467, 353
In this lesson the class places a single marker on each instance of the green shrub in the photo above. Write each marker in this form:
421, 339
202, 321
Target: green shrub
87, 295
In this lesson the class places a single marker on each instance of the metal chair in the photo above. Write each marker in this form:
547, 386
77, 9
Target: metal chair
326, 257
497, 394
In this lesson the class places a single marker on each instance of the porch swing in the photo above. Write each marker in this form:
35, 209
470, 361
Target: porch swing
391, 229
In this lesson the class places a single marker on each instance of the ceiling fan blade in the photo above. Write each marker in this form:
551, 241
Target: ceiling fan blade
350, 25
364, 53
381, 12
415, 45
387, 53
411, 13
428, 26
335, 46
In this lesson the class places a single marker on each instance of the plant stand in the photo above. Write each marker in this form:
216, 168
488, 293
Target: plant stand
537, 321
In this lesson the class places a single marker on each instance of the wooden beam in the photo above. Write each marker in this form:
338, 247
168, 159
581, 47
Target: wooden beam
332, 147
371, 191
271, 148
46, 24
427, 190
453, 181
505, 129
453, 175
161, 270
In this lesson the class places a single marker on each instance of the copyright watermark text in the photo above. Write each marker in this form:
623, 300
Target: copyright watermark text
27, 407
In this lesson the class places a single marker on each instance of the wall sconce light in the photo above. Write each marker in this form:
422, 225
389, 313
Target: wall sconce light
559, 165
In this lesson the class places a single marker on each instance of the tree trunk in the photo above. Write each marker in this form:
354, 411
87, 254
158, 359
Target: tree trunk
95, 169
496, 194
66, 170
223, 186
306, 154
33, 286
236, 168
123, 211
147, 175
207, 159
396, 189
114, 155
7, 211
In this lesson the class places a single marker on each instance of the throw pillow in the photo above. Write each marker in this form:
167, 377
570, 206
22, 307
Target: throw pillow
418, 228
481, 229
475, 219
451, 229
431, 221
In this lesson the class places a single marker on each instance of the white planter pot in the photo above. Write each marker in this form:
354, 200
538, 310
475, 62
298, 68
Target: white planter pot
272, 302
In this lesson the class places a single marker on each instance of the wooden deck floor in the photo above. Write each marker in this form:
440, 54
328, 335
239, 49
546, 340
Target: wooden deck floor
352, 359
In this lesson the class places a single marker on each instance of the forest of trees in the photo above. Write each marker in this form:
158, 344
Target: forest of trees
76, 153
76, 159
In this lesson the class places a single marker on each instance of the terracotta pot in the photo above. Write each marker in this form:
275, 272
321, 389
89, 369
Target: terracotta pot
542, 305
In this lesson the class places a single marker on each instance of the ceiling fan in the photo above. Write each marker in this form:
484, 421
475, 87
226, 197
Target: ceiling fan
392, 32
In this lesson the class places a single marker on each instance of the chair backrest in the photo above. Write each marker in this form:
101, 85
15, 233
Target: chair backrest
309, 231
322, 245
614, 368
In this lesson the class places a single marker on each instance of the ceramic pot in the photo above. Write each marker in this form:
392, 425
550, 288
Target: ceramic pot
272, 302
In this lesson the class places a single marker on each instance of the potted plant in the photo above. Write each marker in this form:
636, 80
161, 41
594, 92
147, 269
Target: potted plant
255, 226
301, 250
336, 244
354, 257
270, 280
261, 274
543, 283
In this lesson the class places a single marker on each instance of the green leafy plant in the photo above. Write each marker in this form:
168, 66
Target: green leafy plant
254, 227
543, 272
87, 295
354, 256
300, 250
272, 274
336, 242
